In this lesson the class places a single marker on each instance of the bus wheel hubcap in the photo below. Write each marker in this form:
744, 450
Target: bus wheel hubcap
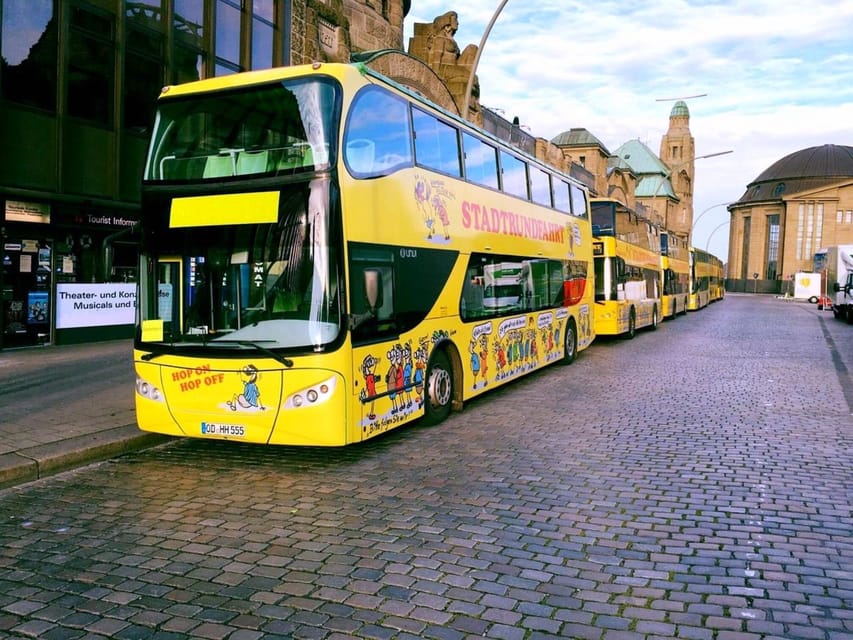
439, 388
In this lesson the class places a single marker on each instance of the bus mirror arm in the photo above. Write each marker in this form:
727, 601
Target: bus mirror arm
107, 248
358, 319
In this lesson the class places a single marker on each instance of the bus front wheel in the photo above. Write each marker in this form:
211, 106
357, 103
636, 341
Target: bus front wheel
571, 342
439, 389
632, 325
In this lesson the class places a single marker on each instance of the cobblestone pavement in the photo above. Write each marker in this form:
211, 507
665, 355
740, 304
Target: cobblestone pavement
695, 482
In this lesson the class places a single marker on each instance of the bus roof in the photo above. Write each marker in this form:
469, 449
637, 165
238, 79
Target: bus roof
248, 78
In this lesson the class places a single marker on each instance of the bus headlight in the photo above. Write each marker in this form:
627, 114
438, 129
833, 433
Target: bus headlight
310, 396
148, 390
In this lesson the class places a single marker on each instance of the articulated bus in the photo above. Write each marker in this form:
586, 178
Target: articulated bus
675, 274
319, 254
706, 279
626, 250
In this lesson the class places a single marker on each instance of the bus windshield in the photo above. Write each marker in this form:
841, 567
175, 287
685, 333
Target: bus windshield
279, 128
270, 285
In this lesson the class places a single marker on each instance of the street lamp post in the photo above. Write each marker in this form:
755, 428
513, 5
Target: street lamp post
704, 211
711, 235
470, 86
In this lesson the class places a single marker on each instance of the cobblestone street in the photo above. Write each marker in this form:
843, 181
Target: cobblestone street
695, 482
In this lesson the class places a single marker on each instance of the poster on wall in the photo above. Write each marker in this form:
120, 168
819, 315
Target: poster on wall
37, 307
95, 305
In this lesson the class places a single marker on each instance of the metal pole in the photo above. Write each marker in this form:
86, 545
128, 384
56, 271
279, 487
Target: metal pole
711, 235
470, 86
704, 211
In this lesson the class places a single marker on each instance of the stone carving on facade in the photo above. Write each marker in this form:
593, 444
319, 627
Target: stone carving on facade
327, 32
435, 44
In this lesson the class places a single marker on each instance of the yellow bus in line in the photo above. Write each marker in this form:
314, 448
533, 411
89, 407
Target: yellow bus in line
717, 284
706, 279
316, 243
675, 275
626, 251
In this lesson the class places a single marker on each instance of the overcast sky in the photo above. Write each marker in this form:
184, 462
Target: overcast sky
778, 78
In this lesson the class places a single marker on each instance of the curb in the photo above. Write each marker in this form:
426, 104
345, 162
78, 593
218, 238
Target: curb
45, 460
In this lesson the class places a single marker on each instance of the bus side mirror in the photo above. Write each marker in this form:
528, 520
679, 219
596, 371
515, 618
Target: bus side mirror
373, 289
108, 249
836, 287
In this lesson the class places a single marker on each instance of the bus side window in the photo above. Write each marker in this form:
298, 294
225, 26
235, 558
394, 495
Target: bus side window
481, 163
498, 285
372, 292
377, 139
513, 175
579, 202
436, 144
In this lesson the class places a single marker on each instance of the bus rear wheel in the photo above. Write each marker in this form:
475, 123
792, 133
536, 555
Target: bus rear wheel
438, 389
654, 318
571, 342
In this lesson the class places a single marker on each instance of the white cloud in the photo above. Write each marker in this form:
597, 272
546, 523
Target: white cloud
778, 78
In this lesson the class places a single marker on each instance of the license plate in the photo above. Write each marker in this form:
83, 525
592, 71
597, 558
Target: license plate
223, 429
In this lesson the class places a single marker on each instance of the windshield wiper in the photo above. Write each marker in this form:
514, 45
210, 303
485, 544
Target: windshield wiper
287, 362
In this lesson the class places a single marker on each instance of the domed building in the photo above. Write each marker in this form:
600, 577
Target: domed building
797, 205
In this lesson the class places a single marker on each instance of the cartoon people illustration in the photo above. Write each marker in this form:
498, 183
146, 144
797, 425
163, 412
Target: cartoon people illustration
475, 360
440, 209
500, 357
484, 358
406, 371
394, 375
368, 371
530, 346
422, 199
431, 199
251, 396
420, 369
571, 233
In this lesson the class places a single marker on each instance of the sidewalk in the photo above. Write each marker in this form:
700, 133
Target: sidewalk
63, 407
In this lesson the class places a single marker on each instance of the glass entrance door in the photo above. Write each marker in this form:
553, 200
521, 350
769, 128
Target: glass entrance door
27, 292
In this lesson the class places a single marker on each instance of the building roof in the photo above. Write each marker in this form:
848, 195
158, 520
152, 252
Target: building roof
679, 109
804, 170
825, 161
578, 137
652, 174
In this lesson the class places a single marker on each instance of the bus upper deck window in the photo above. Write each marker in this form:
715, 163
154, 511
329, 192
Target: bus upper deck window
377, 140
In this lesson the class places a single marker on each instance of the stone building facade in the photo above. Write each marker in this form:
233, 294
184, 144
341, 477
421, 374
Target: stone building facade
333, 30
799, 204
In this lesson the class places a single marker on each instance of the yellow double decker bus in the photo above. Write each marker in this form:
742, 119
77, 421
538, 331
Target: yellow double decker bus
675, 275
326, 256
626, 249
706, 279
717, 284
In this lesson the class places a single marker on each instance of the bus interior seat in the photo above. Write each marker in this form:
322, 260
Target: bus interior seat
252, 162
296, 157
218, 167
